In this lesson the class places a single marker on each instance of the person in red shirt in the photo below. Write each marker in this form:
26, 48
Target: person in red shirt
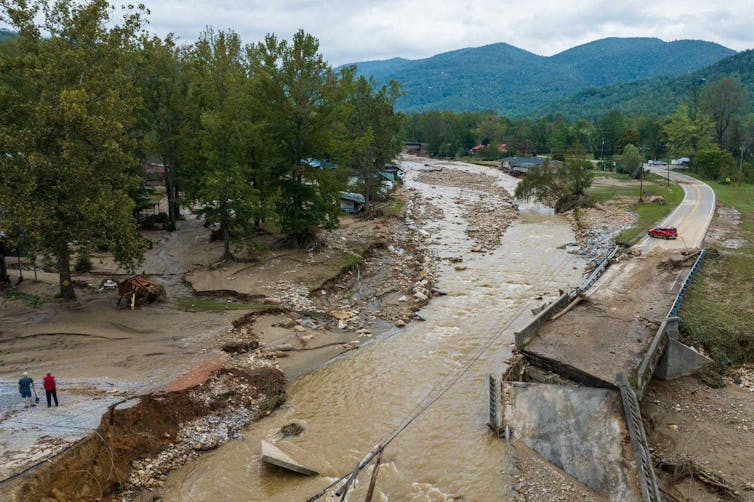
50, 392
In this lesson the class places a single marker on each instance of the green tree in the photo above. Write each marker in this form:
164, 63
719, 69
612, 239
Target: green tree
722, 102
305, 104
372, 130
685, 133
68, 134
164, 87
561, 186
632, 161
218, 173
610, 129
715, 163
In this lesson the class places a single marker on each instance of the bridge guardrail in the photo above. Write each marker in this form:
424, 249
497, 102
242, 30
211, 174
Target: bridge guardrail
525, 334
650, 490
659, 342
686, 283
597, 272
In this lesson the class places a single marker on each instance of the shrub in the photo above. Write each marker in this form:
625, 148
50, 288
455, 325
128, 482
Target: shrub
83, 264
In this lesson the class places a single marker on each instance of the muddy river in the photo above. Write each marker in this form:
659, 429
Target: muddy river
348, 406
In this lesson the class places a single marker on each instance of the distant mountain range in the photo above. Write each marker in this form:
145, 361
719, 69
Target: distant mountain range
519, 83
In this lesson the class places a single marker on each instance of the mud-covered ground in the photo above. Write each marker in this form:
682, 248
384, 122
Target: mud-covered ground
287, 309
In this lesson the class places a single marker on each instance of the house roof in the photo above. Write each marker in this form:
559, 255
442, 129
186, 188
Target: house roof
355, 197
319, 164
523, 161
387, 176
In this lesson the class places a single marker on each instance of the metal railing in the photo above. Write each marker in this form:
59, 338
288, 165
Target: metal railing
659, 342
686, 283
493, 392
597, 272
650, 490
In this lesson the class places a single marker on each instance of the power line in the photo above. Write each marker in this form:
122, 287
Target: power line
443, 386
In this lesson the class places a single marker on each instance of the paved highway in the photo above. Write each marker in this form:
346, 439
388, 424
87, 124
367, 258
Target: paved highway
692, 217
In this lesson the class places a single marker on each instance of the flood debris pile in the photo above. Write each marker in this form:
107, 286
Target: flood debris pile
140, 290
140, 440
596, 229
487, 208
391, 284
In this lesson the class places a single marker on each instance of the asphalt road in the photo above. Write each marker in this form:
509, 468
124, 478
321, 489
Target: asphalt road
692, 217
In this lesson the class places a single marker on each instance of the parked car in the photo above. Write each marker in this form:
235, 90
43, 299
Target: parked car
663, 232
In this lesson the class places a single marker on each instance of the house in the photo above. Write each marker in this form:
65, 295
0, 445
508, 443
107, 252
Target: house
388, 176
519, 166
475, 149
352, 202
683, 161
319, 164
396, 171
415, 148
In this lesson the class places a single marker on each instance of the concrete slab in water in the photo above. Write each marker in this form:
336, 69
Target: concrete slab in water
271, 454
579, 429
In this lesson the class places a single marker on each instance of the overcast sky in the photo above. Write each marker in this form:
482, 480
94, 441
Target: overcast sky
359, 30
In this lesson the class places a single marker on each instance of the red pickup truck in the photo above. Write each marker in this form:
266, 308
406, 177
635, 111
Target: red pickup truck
663, 232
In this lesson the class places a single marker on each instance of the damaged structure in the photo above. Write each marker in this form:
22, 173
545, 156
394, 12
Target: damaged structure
572, 392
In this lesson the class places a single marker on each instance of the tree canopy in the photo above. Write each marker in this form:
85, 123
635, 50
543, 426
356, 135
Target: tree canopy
68, 132
560, 185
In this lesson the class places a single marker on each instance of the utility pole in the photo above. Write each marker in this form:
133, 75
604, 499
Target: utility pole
602, 156
642, 149
668, 164
741, 161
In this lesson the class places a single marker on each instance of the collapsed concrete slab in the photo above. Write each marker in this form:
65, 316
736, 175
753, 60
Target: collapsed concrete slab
579, 429
680, 360
271, 454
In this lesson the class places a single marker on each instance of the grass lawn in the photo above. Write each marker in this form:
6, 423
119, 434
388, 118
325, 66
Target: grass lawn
719, 310
648, 214
393, 206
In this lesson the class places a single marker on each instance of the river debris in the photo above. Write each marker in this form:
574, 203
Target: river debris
138, 290
688, 468
272, 454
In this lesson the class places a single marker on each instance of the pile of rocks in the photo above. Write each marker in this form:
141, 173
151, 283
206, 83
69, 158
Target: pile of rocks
489, 218
742, 377
294, 296
597, 228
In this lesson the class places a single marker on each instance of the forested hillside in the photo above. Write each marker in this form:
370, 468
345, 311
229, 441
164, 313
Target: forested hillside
658, 96
515, 82
5, 35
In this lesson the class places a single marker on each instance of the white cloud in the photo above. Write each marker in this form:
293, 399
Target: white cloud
358, 30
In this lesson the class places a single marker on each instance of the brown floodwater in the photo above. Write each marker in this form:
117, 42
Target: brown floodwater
349, 405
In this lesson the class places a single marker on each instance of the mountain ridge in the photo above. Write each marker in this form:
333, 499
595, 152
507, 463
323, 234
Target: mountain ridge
516, 82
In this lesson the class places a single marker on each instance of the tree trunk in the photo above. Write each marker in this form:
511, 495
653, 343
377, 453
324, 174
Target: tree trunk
225, 229
226, 240
4, 277
170, 191
64, 271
